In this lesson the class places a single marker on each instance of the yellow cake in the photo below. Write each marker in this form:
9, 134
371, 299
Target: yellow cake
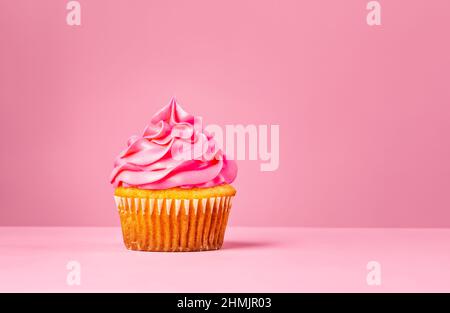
174, 219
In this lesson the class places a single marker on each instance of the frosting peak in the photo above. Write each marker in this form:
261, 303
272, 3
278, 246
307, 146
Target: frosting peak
173, 151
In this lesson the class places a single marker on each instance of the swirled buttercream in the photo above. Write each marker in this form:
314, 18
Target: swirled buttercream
173, 151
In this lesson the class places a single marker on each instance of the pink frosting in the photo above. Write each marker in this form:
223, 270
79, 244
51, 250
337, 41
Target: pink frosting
173, 151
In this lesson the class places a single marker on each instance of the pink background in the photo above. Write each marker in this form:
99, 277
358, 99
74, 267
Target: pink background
364, 112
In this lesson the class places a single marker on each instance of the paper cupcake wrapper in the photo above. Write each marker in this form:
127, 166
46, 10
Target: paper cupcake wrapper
173, 224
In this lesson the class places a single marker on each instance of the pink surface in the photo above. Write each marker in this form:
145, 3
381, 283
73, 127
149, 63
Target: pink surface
363, 111
252, 259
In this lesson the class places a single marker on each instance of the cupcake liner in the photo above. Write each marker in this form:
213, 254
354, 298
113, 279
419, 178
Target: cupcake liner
173, 224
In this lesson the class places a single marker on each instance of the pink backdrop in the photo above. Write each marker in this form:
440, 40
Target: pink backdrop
364, 112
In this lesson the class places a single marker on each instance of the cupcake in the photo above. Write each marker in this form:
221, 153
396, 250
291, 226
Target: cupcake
172, 185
